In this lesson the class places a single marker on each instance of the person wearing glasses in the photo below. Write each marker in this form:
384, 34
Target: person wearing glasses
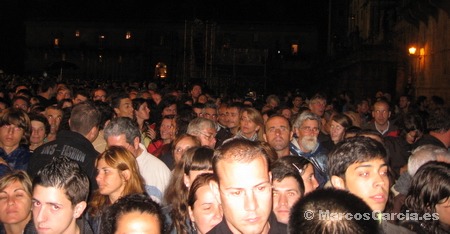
306, 128
205, 131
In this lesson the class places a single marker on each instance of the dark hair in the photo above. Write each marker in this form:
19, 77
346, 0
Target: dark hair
19, 118
286, 167
429, 186
439, 120
354, 150
131, 203
84, 116
65, 174
410, 122
342, 120
334, 201
40, 118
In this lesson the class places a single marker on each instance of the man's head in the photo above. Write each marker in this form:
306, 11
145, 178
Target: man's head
122, 105
287, 187
244, 187
362, 106
439, 123
85, 119
80, 96
99, 94
307, 127
21, 102
233, 115
54, 116
123, 132
359, 165
210, 111
306, 214
60, 192
195, 90
222, 118
278, 133
205, 130
424, 154
381, 112
297, 100
404, 101
317, 104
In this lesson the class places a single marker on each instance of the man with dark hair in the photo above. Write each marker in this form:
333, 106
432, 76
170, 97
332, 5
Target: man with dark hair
360, 166
287, 186
278, 133
74, 144
46, 92
438, 124
309, 214
233, 116
122, 105
60, 193
244, 188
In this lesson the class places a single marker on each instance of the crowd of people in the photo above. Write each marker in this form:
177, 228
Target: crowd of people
151, 158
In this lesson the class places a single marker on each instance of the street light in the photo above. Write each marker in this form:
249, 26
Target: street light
412, 50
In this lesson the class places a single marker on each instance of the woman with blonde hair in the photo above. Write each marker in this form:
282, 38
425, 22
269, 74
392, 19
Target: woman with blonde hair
251, 125
15, 203
117, 176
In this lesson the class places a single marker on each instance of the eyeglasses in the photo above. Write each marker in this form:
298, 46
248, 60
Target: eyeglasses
309, 129
208, 136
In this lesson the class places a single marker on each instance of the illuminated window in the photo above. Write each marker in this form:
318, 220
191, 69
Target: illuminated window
56, 42
294, 49
77, 33
128, 35
161, 70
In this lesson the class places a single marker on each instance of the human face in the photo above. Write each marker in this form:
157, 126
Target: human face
167, 130
233, 117
53, 213
10, 136
37, 132
79, 99
222, 119
121, 140
206, 211
285, 193
170, 110
278, 134
317, 106
287, 113
309, 180
62, 94
381, 113
54, 119
196, 91
337, 132
110, 181
207, 137
202, 99
198, 111
248, 126
125, 108
15, 204
245, 194
99, 95
143, 112
189, 179
363, 108
181, 147
369, 181
297, 102
21, 104
307, 135
403, 102
137, 222
210, 113
443, 209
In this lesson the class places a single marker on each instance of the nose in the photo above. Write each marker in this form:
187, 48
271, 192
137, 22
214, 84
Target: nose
282, 200
39, 214
250, 202
379, 181
314, 182
11, 201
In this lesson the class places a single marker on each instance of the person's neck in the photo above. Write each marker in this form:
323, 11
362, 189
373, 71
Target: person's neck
17, 227
46, 95
33, 146
51, 137
140, 123
382, 127
283, 152
234, 130
9, 149
440, 137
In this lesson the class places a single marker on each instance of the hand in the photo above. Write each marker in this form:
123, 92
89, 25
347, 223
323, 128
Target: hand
150, 133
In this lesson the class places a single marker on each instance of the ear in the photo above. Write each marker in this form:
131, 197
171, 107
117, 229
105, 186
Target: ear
186, 180
338, 182
389, 114
126, 175
265, 137
191, 214
117, 111
69, 122
291, 135
78, 209
136, 143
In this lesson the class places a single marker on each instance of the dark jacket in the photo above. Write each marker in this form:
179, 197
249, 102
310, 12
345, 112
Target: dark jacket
275, 227
18, 159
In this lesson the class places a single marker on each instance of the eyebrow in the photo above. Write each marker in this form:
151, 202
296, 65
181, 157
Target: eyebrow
48, 203
370, 165
231, 188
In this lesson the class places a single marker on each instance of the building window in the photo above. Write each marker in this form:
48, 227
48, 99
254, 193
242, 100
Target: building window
128, 35
294, 49
56, 42
77, 33
161, 70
